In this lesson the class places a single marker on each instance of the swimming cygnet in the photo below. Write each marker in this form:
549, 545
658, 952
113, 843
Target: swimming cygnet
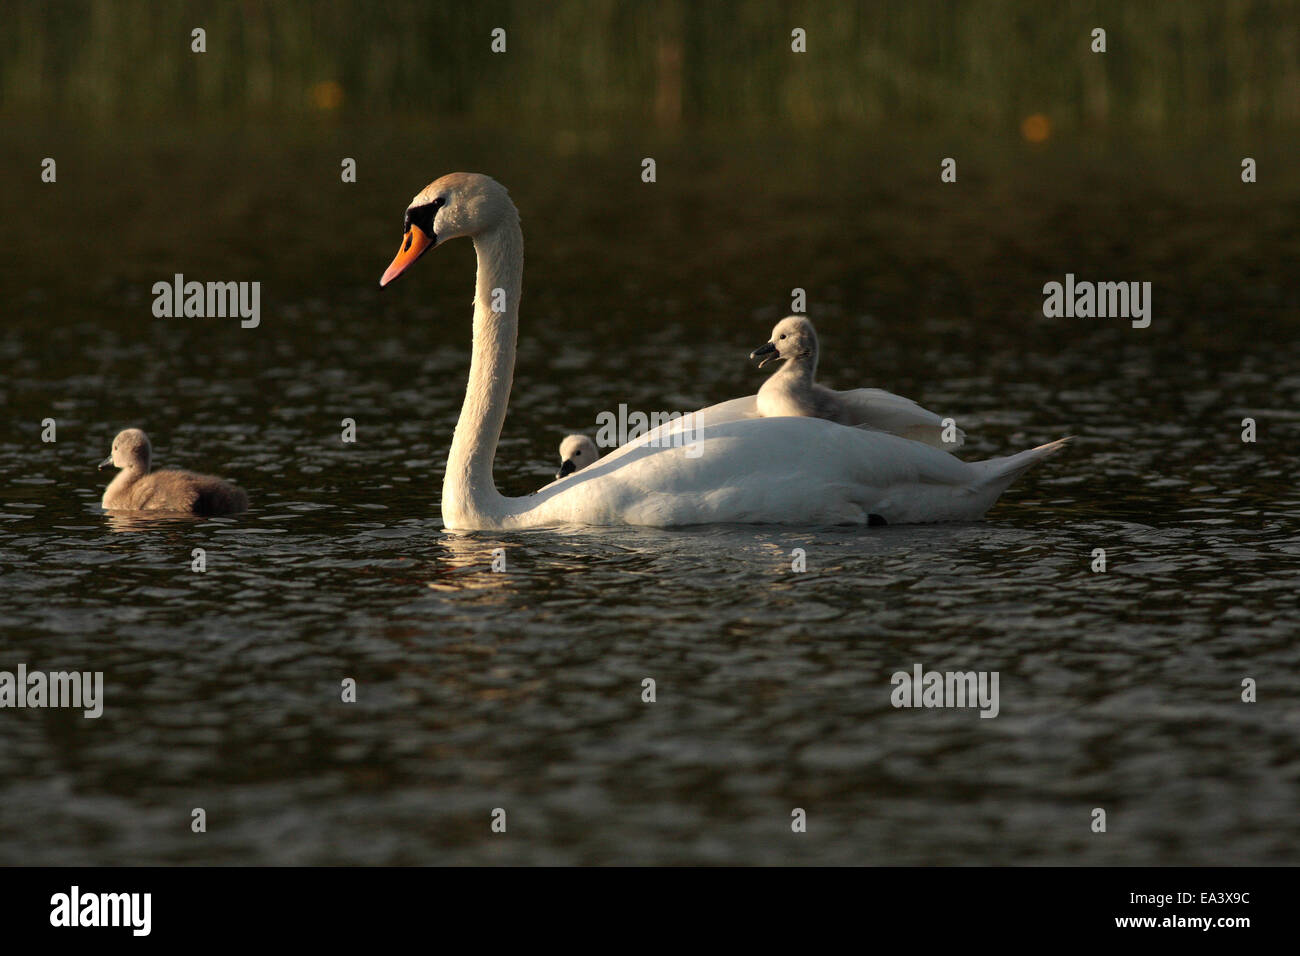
136, 489
576, 453
793, 391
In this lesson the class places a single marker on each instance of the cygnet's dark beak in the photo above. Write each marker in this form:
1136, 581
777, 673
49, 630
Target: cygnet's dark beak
567, 468
106, 462
765, 353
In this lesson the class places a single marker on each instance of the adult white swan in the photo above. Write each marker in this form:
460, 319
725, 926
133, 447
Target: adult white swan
757, 470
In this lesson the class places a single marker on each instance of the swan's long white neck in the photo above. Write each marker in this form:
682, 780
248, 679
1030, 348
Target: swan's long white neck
469, 493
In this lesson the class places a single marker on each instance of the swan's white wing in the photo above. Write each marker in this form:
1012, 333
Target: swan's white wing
887, 412
730, 411
733, 410
874, 408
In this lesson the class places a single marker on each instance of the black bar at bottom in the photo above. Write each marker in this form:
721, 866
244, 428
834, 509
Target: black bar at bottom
630, 907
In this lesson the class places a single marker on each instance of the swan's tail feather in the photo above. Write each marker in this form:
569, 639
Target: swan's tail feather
1000, 472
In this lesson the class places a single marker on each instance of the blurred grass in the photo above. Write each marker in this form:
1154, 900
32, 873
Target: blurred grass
1170, 65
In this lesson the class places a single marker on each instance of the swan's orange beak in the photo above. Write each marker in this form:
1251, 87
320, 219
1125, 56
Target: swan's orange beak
414, 244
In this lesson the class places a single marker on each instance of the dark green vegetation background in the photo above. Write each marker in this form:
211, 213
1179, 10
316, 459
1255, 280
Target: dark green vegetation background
1169, 65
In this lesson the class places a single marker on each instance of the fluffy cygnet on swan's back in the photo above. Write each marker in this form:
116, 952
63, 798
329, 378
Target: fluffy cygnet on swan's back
576, 453
793, 391
136, 489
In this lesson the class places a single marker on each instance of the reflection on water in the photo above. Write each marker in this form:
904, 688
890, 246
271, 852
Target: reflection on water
522, 689
148, 520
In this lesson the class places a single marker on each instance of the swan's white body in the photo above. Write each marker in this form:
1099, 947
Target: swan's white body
803, 471
774, 471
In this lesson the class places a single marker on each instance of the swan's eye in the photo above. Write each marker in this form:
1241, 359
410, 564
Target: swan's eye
783, 336
421, 217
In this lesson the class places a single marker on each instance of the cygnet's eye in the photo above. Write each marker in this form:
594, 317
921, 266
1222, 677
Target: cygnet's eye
782, 335
577, 454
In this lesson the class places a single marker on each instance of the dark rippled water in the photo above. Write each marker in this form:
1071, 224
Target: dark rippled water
522, 690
